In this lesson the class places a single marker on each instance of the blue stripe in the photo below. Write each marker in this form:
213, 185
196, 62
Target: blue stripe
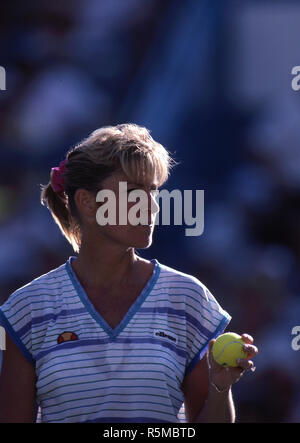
61, 297
113, 409
181, 313
93, 342
99, 395
84, 376
197, 300
55, 271
99, 368
136, 357
126, 420
173, 302
82, 384
74, 312
5, 323
26, 328
127, 387
169, 311
27, 288
41, 302
118, 402
43, 318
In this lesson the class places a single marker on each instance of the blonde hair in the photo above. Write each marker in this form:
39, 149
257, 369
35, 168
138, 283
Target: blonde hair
127, 147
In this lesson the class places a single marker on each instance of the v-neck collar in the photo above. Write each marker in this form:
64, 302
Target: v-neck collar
113, 332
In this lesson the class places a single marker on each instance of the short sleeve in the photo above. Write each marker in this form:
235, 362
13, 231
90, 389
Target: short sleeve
205, 320
15, 318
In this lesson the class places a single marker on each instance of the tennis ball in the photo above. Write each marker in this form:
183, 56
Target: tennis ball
228, 348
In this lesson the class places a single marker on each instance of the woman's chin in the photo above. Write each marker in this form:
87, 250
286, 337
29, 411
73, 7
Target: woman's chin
139, 237
143, 241
143, 244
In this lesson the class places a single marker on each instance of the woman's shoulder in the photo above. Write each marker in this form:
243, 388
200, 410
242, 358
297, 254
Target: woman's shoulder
184, 284
198, 301
170, 273
48, 281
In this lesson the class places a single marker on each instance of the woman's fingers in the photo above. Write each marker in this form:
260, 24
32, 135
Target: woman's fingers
251, 350
246, 365
247, 338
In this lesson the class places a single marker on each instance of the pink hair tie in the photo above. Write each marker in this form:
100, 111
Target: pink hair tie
57, 179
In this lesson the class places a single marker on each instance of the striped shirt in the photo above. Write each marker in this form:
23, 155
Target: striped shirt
88, 372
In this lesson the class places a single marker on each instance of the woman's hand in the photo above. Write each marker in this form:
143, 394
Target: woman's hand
224, 377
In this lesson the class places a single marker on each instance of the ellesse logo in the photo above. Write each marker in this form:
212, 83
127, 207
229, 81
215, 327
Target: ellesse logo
166, 335
67, 336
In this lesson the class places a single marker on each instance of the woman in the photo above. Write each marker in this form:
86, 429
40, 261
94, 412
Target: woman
109, 336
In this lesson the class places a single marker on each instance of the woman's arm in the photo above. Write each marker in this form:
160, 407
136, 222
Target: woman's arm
219, 408
17, 386
202, 401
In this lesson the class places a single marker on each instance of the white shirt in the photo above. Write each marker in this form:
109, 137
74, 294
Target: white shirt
88, 372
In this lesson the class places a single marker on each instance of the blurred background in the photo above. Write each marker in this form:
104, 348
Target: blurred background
212, 82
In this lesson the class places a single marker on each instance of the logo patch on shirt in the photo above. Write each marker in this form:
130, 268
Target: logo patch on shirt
166, 335
67, 336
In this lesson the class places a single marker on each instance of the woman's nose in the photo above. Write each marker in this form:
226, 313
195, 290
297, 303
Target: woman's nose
154, 206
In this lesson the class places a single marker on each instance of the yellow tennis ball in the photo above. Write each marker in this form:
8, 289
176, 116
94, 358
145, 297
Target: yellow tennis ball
228, 348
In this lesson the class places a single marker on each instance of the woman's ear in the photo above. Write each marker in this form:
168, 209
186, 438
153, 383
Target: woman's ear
86, 203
